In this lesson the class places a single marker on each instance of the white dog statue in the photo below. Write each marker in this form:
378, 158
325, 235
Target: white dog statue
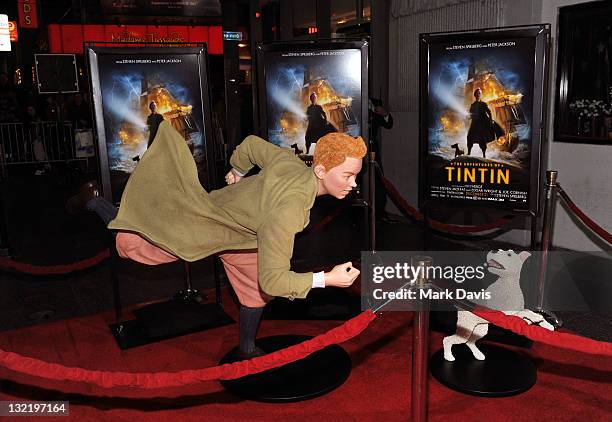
506, 296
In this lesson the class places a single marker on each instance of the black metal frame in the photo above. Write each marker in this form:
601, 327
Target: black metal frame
541, 33
94, 49
313, 45
261, 116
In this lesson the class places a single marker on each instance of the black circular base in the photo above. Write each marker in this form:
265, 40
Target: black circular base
311, 377
503, 373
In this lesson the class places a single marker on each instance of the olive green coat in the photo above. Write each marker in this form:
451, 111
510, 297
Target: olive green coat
165, 203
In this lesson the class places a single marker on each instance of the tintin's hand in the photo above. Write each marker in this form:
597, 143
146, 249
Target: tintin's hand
231, 178
341, 275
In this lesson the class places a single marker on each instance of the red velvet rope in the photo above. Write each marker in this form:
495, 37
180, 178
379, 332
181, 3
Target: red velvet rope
342, 333
22, 267
600, 231
408, 209
148, 380
552, 338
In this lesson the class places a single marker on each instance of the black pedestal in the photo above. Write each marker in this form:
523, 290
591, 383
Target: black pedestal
503, 373
321, 304
166, 320
311, 377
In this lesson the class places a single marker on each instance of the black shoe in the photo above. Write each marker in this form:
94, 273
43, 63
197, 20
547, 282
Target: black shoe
255, 353
79, 201
387, 219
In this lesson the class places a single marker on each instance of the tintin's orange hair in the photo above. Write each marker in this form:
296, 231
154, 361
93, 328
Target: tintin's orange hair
333, 148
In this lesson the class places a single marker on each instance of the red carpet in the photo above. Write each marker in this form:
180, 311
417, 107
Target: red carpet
570, 386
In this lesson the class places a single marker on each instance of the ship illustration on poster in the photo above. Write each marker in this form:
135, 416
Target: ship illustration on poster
480, 113
310, 94
505, 107
134, 131
139, 90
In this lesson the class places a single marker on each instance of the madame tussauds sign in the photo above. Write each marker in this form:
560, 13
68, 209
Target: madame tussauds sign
69, 38
149, 37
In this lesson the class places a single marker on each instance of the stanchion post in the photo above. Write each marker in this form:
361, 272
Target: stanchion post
217, 275
547, 225
420, 344
189, 294
114, 259
4, 248
424, 213
372, 190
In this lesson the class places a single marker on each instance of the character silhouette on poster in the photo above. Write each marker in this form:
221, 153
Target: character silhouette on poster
480, 131
153, 122
318, 126
310, 93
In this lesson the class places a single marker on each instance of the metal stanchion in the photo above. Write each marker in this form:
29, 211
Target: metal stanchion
217, 276
4, 248
420, 344
118, 327
189, 294
372, 190
547, 225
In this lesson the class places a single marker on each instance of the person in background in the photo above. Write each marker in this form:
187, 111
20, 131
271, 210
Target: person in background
34, 146
79, 113
379, 117
9, 106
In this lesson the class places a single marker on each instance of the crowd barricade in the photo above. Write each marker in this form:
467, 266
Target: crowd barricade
44, 142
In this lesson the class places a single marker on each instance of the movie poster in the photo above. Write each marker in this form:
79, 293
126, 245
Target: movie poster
479, 128
139, 91
310, 93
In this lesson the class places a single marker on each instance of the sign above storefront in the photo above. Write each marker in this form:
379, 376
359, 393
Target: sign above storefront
28, 14
70, 38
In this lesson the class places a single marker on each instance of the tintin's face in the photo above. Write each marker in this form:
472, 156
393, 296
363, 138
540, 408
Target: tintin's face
340, 180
